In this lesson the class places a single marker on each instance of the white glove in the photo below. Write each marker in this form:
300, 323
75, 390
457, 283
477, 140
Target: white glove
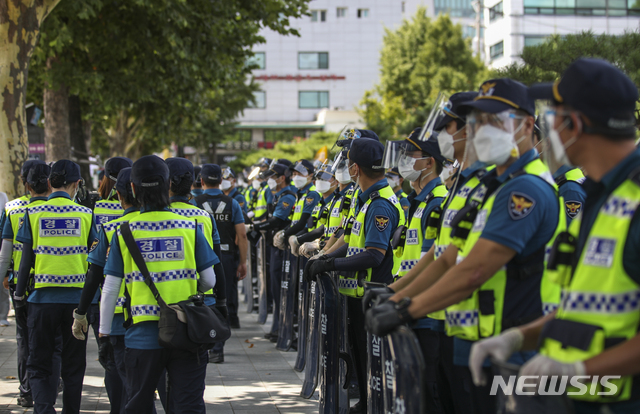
499, 347
293, 243
251, 214
278, 240
543, 365
248, 228
80, 325
315, 256
309, 248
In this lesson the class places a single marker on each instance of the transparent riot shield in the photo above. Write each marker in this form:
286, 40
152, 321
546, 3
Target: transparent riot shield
288, 292
262, 269
312, 343
303, 315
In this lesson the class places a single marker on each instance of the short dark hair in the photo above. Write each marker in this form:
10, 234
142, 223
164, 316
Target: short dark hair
439, 166
211, 183
40, 187
129, 199
153, 198
181, 185
371, 173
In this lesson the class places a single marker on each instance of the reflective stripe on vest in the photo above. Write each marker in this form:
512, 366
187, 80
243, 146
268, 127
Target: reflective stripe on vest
600, 301
167, 242
348, 284
260, 208
296, 213
60, 231
106, 211
16, 203
15, 217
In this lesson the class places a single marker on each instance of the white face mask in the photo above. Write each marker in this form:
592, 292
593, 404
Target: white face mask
405, 166
558, 147
343, 176
393, 182
225, 185
446, 173
445, 143
323, 186
272, 183
493, 145
255, 184
299, 182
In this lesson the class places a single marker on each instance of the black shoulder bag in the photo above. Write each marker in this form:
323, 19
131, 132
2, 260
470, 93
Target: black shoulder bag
188, 325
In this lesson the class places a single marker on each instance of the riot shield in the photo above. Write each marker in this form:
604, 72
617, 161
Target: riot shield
345, 373
552, 402
288, 295
262, 270
312, 346
303, 315
250, 283
403, 372
375, 391
329, 352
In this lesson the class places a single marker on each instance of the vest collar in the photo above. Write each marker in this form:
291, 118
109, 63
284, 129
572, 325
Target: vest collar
32, 199
428, 189
524, 159
364, 196
57, 194
130, 210
213, 191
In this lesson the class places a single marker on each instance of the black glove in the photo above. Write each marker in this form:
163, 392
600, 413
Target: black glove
319, 266
223, 310
384, 318
19, 303
307, 276
105, 352
371, 295
20, 314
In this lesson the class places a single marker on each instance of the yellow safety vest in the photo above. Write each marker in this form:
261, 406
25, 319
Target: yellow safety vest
260, 208
16, 216
106, 211
296, 213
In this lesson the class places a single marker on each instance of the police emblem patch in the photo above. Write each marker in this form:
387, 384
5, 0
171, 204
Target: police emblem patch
572, 208
21, 222
285, 204
94, 245
309, 200
405, 207
520, 205
382, 222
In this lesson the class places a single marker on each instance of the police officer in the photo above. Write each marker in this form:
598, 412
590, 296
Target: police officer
108, 207
115, 374
368, 255
36, 184
249, 192
594, 126
56, 234
145, 360
510, 219
228, 186
233, 242
396, 181
264, 195
284, 199
302, 176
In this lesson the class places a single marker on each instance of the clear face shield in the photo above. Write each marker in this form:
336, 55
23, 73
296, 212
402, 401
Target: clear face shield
549, 144
340, 168
346, 137
403, 155
437, 112
300, 168
253, 174
325, 180
492, 136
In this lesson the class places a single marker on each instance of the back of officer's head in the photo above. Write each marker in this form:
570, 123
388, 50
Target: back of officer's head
150, 179
181, 175
111, 169
211, 175
26, 167
196, 175
38, 178
123, 187
64, 174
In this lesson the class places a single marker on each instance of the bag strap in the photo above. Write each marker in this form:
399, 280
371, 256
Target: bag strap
134, 250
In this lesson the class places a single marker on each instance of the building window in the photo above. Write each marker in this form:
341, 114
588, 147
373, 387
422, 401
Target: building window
455, 8
534, 40
362, 13
313, 99
258, 59
496, 12
318, 15
470, 32
583, 7
313, 60
260, 98
496, 51
341, 12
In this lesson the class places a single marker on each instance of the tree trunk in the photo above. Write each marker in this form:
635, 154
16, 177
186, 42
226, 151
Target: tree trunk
77, 139
20, 22
57, 141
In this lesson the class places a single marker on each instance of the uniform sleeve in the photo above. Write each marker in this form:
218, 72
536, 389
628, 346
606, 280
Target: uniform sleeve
205, 257
215, 236
524, 215
427, 243
98, 255
7, 230
310, 202
236, 213
406, 205
284, 207
573, 199
268, 196
115, 265
24, 232
630, 257
380, 223
93, 233
241, 201
3, 219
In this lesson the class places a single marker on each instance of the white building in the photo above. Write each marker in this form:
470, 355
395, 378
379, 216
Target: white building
513, 24
333, 62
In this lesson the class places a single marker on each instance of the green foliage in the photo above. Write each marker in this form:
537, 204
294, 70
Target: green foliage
420, 59
546, 62
292, 151
161, 71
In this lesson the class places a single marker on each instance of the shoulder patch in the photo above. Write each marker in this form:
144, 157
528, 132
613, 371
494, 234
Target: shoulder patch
520, 205
21, 222
94, 245
285, 204
572, 207
405, 207
241, 204
382, 222
309, 200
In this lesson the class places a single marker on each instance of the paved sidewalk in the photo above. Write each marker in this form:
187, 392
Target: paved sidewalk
255, 377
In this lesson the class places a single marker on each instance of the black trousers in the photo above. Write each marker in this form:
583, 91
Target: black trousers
230, 265
472, 399
186, 372
117, 341
358, 343
275, 265
45, 321
22, 340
